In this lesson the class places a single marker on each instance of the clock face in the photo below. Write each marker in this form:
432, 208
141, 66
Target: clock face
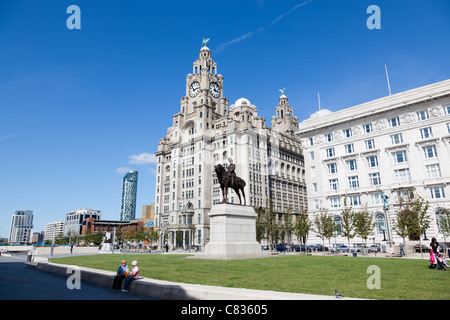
214, 89
194, 89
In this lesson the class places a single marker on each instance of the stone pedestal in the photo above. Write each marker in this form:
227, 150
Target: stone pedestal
232, 233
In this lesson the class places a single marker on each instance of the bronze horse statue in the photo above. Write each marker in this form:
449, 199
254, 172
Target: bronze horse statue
225, 181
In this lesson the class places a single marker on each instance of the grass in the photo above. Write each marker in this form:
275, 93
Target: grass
404, 279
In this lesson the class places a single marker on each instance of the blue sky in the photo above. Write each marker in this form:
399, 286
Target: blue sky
76, 106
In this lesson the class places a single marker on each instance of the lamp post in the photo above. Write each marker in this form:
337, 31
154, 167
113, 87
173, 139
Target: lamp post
386, 216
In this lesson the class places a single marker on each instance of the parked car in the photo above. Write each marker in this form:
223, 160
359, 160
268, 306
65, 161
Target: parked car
374, 248
304, 248
341, 248
321, 247
424, 248
296, 247
264, 247
356, 249
281, 247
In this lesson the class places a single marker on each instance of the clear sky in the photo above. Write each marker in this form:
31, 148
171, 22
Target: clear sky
79, 107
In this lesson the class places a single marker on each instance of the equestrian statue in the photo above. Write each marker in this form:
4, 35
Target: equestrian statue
228, 179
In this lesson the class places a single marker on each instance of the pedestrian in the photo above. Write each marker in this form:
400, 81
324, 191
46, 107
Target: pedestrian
432, 260
71, 249
133, 275
435, 247
167, 247
121, 275
402, 251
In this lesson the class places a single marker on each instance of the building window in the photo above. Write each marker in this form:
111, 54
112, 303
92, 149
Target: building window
422, 115
440, 219
402, 175
338, 223
348, 133
349, 148
376, 198
379, 218
335, 202
400, 156
397, 138
330, 152
372, 161
315, 187
334, 184
370, 144
447, 109
394, 122
426, 133
433, 171
367, 128
374, 179
353, 182
332, 168
355, 200
312, 155
351, 165
430, 152
329, 137
448, 127
437, 192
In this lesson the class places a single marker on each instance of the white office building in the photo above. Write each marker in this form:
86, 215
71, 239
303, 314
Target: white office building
74, 220
53, 229
21, 230
388, 146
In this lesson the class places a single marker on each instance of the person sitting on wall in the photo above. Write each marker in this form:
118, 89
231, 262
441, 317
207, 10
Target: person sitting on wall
122, 273
133, 275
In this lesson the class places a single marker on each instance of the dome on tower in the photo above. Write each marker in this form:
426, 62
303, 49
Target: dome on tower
242, 102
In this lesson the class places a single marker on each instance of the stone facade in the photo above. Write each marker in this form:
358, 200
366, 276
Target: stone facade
207, 131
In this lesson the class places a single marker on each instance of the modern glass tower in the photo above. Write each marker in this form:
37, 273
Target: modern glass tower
129, 192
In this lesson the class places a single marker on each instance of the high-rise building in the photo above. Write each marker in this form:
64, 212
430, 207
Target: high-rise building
53, 229
391, 146
206, 132
129, 193
21, 230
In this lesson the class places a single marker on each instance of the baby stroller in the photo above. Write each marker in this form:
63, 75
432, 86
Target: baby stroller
436, 263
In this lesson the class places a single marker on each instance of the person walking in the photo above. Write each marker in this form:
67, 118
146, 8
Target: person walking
402, 251
133, 275
434, 245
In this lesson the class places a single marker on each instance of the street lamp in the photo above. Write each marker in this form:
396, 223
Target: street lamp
386, 216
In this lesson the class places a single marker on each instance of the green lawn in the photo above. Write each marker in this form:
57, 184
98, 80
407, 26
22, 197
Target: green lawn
400, 278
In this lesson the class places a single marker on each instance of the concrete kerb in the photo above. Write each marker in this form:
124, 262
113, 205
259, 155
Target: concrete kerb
166, 290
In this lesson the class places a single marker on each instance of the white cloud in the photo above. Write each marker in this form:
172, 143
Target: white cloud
143, 158
123, 170
223, 46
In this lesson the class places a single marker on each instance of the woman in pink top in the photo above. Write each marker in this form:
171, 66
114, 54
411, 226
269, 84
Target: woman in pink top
133, 275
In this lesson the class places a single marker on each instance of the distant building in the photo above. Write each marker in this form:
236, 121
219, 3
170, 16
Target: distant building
38, 237
103, 226
129, 193
148, 215
21, 230
75, 219
55, 228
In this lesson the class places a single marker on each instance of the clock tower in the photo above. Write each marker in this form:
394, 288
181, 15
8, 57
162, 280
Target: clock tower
204, 98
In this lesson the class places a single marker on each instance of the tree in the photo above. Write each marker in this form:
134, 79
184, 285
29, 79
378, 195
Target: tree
364, 223
422, 220
324, 225
288, 225
348, 216
302, 226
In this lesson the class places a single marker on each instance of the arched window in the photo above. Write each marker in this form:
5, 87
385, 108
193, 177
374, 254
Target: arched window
441, 219
380, 221
338, 223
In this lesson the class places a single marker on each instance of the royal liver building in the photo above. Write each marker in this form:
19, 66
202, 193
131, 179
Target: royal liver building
207, 131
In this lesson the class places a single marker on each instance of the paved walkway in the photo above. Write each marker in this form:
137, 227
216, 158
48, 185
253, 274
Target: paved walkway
19, 281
